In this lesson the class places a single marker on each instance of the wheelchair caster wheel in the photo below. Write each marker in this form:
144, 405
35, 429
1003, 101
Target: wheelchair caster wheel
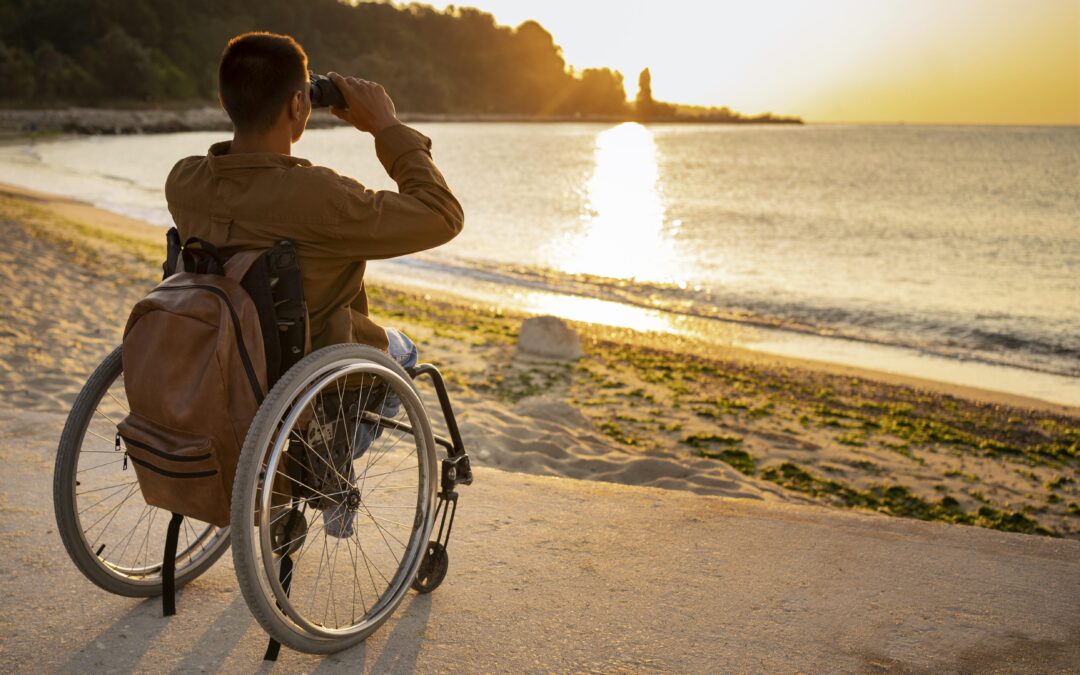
432, 568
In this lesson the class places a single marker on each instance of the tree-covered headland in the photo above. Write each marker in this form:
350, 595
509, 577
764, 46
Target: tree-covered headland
155, 52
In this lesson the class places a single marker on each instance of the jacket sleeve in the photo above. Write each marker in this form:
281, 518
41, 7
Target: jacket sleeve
422, 214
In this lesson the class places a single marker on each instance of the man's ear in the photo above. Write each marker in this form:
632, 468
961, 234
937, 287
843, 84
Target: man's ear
296, 105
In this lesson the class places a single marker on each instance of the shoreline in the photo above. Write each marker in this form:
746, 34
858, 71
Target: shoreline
639, 408
528, 293
85, 120
518, 292
153, 236
697, 345
22, 123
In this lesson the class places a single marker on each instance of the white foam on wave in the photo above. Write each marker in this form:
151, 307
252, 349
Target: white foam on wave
1051, 387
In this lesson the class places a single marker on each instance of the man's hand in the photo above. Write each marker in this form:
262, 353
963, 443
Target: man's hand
370, 108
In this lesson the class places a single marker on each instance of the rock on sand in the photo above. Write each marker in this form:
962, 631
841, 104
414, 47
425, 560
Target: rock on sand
549, 337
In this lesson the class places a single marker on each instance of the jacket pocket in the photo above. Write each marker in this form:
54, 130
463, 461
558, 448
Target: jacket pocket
177, 471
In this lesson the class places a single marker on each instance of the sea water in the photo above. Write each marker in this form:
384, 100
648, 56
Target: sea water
948, 252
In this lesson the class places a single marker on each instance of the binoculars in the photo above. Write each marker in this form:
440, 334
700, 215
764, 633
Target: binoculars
324, 92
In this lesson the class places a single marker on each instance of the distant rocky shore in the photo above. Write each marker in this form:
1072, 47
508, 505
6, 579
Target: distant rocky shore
101, 121
111, 121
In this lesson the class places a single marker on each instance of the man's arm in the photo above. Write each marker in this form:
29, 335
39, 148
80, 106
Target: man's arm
423, 213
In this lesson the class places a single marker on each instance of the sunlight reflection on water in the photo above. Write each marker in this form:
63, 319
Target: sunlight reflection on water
626, 235
591, 310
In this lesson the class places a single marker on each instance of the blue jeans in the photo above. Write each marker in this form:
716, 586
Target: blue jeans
338, 520
402, 350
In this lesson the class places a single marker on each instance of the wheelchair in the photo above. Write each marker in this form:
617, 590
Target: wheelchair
339, 487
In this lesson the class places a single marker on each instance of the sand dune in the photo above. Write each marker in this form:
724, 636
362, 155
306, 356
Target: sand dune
547, 436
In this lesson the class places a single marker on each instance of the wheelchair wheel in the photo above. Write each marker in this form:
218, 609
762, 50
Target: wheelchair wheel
333, 501
111, 534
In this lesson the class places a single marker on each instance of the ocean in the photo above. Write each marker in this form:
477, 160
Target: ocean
944, 252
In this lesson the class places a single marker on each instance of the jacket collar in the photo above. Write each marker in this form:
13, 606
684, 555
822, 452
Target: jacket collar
219, 159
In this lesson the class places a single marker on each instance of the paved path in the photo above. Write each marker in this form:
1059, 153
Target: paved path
555, 574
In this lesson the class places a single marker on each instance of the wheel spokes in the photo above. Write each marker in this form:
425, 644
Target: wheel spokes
355, 496
118, 528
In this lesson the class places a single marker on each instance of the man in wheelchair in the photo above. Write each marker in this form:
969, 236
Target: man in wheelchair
251, 193
254, 405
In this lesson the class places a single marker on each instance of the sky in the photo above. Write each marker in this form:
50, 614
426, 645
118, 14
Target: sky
918, 61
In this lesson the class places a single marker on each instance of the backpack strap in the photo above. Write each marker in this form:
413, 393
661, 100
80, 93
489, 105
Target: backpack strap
168, 566
240, 262
289, 306
172, 252
215, 264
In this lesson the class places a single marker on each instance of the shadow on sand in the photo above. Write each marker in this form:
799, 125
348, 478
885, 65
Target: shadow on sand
124, 643
397, 654
211, 649
140, 626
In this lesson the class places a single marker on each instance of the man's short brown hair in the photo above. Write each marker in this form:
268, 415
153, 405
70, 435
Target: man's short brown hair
258, 73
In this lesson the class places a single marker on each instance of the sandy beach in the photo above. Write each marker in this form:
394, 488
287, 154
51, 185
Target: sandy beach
638, 408
734, 507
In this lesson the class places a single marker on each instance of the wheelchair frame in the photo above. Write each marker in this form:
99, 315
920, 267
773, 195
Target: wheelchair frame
455, 470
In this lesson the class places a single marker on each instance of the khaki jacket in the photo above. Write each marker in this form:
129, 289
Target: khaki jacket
254, 200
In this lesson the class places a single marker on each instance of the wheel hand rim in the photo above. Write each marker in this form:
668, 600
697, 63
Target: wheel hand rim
412, 552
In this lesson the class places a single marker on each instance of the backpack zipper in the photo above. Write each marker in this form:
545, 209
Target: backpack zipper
244, 358
165, 455
173, 474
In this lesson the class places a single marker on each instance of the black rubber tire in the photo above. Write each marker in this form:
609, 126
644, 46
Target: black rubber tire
248, 566
432, 570
67, 523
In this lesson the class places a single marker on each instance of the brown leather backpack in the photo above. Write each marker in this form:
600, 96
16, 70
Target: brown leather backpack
195, 371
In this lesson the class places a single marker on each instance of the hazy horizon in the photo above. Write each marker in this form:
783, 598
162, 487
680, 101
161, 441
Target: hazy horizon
840, 61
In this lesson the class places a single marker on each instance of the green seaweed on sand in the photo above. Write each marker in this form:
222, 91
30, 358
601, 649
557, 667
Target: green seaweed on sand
637, 393
854, 439
739, 459
1059, 482
718, 407
898, 500
966, 477
613, 430
699, 440
865, 465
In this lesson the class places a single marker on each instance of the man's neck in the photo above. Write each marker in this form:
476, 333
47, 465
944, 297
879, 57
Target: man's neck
277, 143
